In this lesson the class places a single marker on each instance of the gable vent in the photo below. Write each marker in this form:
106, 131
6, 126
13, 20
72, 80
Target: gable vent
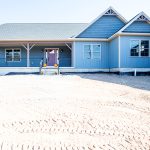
110, 12
142, 18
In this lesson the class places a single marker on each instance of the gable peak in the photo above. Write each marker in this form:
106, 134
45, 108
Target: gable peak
110, 12
143, 17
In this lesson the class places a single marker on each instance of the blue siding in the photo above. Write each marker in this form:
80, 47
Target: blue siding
65, 57
22, 63
36, 55
101, 63
128, 61
138, 27
113, 53
105, 27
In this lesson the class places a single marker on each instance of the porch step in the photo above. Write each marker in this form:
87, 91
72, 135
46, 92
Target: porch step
48, 71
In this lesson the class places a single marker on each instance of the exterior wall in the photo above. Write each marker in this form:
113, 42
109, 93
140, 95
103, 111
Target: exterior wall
36, 55
22, 63
105, 27
138, 27
128, 61
65, 57
80, 62
113, 53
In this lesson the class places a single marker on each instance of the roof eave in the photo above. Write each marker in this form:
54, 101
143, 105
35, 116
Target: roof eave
127, 33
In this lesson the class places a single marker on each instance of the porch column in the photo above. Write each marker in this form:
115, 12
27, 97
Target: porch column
28, 47
28, 55
73, 55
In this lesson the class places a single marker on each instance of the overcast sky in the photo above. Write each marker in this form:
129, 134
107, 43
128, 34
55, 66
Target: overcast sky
12, 11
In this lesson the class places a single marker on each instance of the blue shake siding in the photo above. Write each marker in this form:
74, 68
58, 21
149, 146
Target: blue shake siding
105, 27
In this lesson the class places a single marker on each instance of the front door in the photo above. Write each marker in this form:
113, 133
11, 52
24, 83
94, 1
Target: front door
52, 57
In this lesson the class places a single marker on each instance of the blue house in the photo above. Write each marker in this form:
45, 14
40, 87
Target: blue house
109, 44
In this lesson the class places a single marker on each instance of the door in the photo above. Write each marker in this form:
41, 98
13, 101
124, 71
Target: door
52, 57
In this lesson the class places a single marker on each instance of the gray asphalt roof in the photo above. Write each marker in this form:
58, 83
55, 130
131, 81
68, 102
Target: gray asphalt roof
39, 31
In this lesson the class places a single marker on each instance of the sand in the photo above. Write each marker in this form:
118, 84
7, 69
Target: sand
73, 112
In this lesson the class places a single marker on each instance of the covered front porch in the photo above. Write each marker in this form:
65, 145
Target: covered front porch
32, 54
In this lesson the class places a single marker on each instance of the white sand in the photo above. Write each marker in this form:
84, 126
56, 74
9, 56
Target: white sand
85, 111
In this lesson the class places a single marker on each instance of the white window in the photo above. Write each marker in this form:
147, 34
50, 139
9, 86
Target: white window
87, 52
13, 55
96, 51
92, 51
135, 47
139, 48
144, 48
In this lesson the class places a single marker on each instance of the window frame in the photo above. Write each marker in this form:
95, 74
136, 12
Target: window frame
147, 48
91, 50
12, 49
139, 40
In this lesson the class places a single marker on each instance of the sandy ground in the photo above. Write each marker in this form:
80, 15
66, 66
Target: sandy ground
74, 112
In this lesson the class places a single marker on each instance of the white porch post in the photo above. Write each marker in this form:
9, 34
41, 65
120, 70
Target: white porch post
28, 55
73, 55
28, 48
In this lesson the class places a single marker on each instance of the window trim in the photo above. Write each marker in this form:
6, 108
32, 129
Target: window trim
140, 40
91, 46
12, 54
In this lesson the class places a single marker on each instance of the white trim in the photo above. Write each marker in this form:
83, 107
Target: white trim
129, 23
130, 69
91, 49
139, 48
57, 52
68, 46
6, 70
74, 54
13, 55
130, 34
134, 19
90, 39
102, 14
135, 34
73, 70
119, 52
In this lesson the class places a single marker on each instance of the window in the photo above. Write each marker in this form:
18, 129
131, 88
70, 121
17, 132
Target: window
87, 52
96, 51
13, 55
144, 48
139, 48
92, 51
135, 48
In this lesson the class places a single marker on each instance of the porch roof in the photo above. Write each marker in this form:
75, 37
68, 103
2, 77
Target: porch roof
39, 31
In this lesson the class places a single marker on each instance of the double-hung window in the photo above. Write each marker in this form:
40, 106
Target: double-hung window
92, 51
139, 48
135, 47
87, 52
144, 48
13, 55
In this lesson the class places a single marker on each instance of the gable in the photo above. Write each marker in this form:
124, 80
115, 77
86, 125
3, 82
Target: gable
138, 27
139, 24
104, 27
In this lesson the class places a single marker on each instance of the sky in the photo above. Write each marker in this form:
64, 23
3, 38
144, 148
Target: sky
56, 11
